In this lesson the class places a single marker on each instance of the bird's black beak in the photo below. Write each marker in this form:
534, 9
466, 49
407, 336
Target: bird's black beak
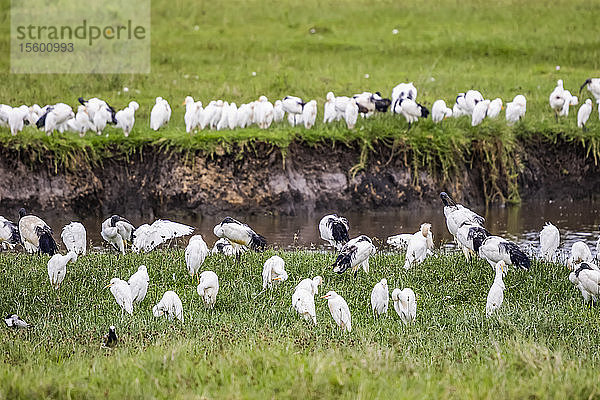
448, 202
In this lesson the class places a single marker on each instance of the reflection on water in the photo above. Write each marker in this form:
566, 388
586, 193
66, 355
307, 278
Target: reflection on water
575, 220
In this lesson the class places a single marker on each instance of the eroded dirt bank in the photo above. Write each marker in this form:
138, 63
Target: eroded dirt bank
261, 179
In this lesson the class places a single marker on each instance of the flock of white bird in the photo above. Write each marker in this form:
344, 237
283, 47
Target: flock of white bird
95, 114
235, 238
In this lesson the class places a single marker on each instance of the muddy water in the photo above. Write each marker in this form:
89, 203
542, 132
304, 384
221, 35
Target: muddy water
575, 220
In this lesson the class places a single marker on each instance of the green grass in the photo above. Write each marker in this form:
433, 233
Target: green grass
444, 47
542, 344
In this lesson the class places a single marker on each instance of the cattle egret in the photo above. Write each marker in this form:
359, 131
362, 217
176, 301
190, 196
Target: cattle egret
339, 310
584, 114
126, 117
35, 234
122, 294
580, 252
417, 247
380, 298
208, 288
439, 111
329, 112
138, 284
351, 113
309, 114
549, 241
195, 254
405, 304
355, 254
160, 114
495, 296
515, 110
273, 272
169, 306
303, 302
239, 234
479, 112
334, 230
494, 108
74, 237
57, 267
310, 285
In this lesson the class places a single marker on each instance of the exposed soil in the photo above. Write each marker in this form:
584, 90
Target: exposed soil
260, 179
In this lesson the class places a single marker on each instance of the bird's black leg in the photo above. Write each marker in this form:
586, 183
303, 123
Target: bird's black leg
409, 125
556, 116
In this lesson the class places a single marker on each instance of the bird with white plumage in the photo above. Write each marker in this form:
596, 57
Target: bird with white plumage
147, 237
355, 254
138, 284
274, 272
195, 254
122, 294
208, 288
495, 296
549, 242
439, 111
380, 298
405, 304
74, 237
160, 114
169, 306
584, 114
339, 310
57, 267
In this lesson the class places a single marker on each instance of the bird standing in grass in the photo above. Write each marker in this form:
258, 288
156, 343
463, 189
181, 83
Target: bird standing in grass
126, 117
495, 249
329, 112
35, 234
587, 280
293, 106
496, 294
334, 230
57, 267
239, 234
439, 111
593, 85
351, 114
584, 114
479, 112
160, 114
470, 236
303, 299
549, 242
405, 304
195, 254
74, 237
169, 306
208, 288
117, 231
110, 340
515, 110
355, 254
494, 108
580, 253
339, 310
9, 234
122, 294
273, 272
380, 298
309, 114
418, 246
138, 284
310, 285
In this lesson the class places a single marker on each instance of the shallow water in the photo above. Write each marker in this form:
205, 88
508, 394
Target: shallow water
575, 220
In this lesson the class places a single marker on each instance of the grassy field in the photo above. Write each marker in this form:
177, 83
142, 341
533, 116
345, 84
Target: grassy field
542, 344
210, 49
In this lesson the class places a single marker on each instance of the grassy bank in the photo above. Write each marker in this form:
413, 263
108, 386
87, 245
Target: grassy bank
543, 342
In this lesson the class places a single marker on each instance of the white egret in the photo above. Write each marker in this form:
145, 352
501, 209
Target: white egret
439, 111
239, 234
479, 112
584, 114
273, 272
16, 119
515, 110
126, 117
494, 108
405, 304
355, 254
351, 113
191, 114
380, 298
418, 246
329, 112
495, 296
160, 114
549, 241
303, 302
170, 306
57, 267
74, 237
278, 112
147, 237
195, 254
580, 253
122, 294
334, 230
138, 284
208, 288
35, 234
309, 114
472, 98
339, 310
310, 285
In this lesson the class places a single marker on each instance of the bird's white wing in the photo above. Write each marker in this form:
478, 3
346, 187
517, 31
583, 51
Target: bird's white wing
74, 237
399, 241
